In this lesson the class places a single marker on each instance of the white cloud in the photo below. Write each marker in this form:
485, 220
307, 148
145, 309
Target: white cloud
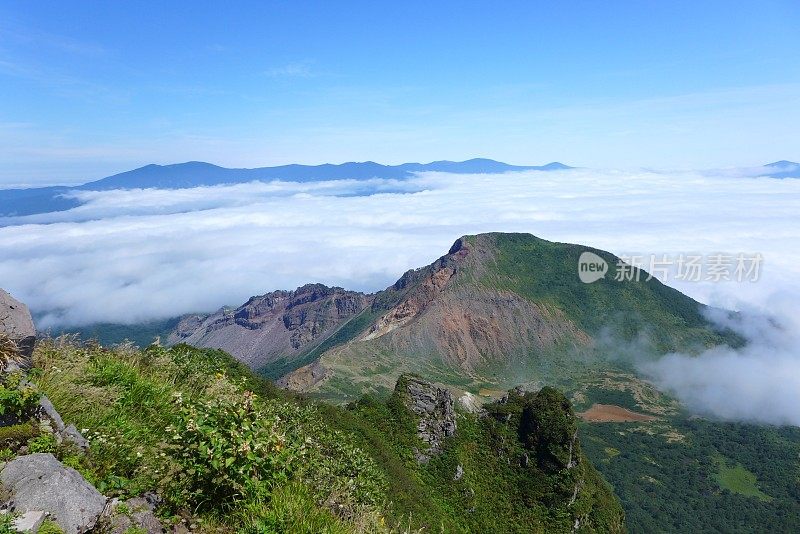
759, 382
297, 69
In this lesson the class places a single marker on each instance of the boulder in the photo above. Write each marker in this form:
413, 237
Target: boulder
16, 322
29, 521
40, 482
48, 411
71, 435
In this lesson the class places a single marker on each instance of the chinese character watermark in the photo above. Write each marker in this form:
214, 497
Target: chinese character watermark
716, 267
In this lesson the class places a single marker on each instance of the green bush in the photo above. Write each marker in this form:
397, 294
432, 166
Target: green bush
50, 527
228, 451
45, 442
242, 449
17, 398
6, 526
17, 434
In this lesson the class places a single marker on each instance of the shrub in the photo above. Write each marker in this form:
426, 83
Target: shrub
241, 449
17, 434
50, 527
45, 442
6, 524
17, 398
228, 451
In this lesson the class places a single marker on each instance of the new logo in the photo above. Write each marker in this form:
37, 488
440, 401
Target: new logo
591, 267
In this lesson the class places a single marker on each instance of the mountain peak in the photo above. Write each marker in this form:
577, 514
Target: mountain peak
782, 163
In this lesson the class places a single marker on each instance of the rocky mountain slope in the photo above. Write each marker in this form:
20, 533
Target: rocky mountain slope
500, 309
190, 440
278, 324
496, 310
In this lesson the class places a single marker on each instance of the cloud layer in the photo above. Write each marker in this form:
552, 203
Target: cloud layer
759, 382
127, 256
130, 255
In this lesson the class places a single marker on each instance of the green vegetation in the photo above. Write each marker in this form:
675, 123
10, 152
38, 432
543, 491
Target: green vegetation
229, 452
213, 439
50, 527
546, 273
514, 461
716, 477
108, 334
737, 479
16, 397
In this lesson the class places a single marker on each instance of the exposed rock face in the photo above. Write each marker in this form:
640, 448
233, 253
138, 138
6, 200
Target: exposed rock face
444, 314
278, 324
16, 323
49, 412
435, 408
40, 482
29, 521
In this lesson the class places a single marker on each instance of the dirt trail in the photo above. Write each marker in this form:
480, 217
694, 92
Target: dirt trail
610, 413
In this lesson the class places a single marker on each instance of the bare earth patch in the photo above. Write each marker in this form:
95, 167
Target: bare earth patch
609, 413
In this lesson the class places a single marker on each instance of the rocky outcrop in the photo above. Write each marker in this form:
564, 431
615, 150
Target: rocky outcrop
17, 324
281, 324
434, 407
303, 377
137, 515
39, 482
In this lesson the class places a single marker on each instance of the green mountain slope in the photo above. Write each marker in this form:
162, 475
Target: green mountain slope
227, 451
503, 309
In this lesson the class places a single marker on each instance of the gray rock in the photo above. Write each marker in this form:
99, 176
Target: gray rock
40, 482
71, 435
29, 521
139, 515
459, 473
48, 411
16, 322
435, 408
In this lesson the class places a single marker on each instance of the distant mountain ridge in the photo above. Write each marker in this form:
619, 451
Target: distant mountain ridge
20, 202
783, 169
196, 173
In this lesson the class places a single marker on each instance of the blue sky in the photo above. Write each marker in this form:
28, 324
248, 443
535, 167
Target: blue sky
90, 89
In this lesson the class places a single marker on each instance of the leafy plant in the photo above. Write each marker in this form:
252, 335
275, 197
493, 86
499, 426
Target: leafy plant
44, 442
7, 524
229, 450
50, 527
17, 397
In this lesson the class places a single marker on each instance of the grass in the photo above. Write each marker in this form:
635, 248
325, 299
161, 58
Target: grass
140, 334
737, 479
129, 403
229, 452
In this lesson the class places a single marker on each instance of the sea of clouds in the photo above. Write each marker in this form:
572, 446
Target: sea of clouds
130, 256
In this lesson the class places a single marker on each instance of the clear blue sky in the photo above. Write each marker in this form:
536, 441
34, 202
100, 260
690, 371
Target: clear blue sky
92, 88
